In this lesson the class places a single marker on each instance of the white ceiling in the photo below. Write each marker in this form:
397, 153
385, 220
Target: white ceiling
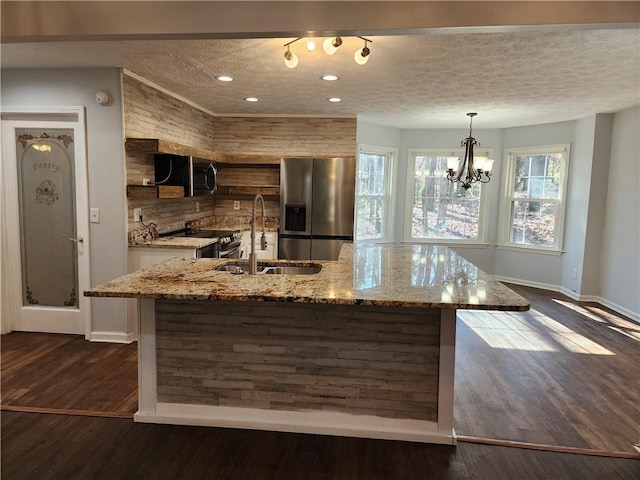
417, 81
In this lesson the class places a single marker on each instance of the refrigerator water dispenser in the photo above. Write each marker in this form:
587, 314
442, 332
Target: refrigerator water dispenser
295, 218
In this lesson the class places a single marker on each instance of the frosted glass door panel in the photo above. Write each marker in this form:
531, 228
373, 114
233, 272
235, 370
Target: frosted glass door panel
47, 217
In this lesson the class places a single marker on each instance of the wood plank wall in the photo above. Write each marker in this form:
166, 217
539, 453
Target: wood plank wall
286, 136
358, 359
150, 113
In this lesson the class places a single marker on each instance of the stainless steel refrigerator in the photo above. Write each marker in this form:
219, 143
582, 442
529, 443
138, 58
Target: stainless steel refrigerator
316, 207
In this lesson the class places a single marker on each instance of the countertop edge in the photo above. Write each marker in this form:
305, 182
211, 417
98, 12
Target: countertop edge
306, 300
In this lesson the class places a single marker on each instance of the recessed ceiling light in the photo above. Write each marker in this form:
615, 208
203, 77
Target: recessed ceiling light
334, 99
329, 78
224, 78
252, 99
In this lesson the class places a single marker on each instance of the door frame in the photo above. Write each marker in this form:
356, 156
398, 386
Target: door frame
64, 321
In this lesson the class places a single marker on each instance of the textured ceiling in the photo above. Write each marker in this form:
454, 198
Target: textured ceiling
427, 81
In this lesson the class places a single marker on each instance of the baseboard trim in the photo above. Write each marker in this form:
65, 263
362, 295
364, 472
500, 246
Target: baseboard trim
111, 337
527, 283
65, 411
314, 422
547, 448
634, 316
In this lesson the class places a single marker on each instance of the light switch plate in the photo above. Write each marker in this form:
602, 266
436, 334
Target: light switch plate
95, 215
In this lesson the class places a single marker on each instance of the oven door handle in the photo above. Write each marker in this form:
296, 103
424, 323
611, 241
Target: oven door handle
232, 252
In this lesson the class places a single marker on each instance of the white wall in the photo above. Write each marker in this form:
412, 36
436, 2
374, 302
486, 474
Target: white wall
533, 268
578, 204
105, 156
596, 216
620, 258
377, 135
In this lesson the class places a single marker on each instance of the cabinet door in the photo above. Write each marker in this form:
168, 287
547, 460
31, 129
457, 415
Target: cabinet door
145, 257
272, 245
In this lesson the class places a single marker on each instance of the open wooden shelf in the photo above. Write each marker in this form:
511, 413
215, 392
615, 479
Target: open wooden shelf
157, 145
264, 190
239, 160
142, 192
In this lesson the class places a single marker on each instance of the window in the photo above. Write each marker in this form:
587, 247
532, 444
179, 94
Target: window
535, 186
374, 184
439, 210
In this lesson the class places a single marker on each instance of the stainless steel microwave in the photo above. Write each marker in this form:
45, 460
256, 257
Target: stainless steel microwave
204, 178
198, 177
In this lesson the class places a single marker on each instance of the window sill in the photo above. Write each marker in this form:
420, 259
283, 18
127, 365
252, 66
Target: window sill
528, 249
372, 240
447, 243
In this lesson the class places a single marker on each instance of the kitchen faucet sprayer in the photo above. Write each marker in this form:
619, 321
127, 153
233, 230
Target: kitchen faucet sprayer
253, 261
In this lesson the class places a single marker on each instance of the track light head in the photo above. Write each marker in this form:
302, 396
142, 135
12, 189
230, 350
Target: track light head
290, 59
331, 45
362, 56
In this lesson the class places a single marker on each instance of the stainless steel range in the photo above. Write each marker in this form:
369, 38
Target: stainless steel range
227, 246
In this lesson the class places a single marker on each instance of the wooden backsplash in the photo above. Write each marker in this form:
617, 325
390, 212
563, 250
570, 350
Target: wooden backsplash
150, 113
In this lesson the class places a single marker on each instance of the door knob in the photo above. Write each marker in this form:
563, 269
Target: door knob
79, 239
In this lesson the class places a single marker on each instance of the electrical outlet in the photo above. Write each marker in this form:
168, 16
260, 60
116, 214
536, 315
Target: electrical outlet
197, 207
146, 181
575, 273
236, 204
137, 214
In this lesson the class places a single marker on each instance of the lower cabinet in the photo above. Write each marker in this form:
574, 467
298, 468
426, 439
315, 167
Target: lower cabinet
145, 257
272, 245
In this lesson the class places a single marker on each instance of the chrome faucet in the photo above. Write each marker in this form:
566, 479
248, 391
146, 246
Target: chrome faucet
253, 261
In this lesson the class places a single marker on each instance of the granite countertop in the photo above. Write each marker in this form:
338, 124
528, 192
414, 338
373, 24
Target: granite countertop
367, 274
149, 236
176, 242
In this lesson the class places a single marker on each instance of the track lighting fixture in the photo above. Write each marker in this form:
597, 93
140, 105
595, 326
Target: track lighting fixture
330, 46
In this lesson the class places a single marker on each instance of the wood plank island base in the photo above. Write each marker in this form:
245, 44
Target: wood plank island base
364, 348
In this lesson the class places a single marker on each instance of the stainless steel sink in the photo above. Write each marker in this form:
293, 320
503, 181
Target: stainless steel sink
292, 270
271, 268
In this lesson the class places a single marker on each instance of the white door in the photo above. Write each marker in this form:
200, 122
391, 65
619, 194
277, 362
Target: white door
45, 264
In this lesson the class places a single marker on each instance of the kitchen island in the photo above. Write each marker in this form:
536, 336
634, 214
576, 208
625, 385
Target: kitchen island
365, 347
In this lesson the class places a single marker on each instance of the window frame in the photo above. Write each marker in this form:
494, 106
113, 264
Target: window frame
508, 198
389, 192
480, 241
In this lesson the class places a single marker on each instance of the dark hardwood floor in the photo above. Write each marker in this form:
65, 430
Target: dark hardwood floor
74, 447
65, 372
563, 374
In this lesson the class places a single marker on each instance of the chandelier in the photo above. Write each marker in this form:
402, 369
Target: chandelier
471, 170
330, 46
